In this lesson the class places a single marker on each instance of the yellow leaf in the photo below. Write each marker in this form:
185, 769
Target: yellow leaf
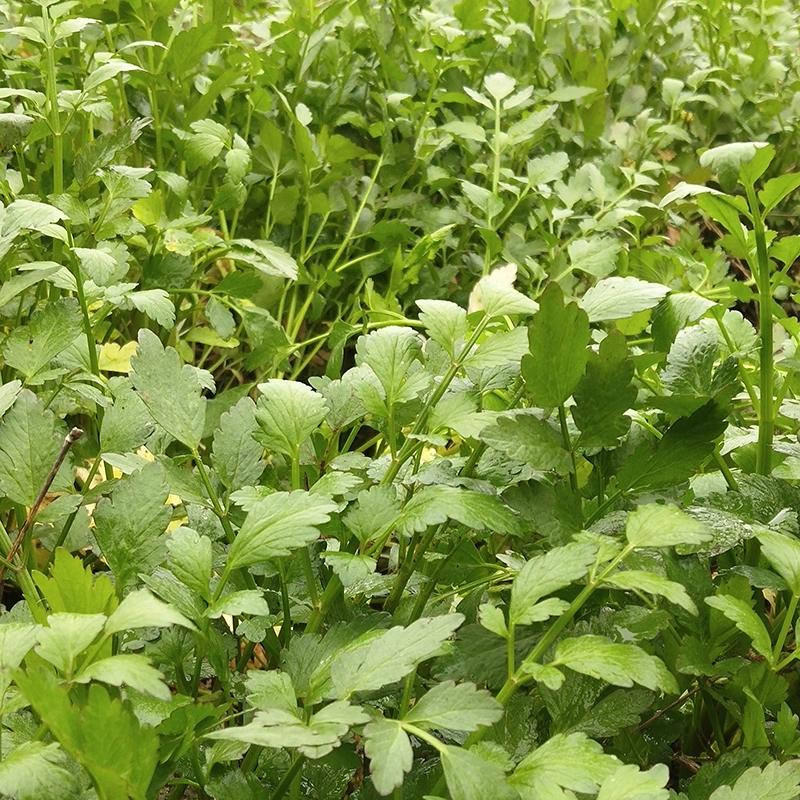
114, 358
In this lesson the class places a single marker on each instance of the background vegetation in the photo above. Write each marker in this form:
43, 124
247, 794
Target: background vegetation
432, 370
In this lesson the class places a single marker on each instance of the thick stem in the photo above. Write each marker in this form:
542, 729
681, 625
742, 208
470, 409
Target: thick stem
787, 623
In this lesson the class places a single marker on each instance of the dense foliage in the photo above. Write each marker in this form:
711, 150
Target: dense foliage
436, 370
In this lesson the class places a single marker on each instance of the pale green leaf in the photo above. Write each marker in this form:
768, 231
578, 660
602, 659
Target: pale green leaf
629, 783
109, 70
66, 637
498, 299
288, 412
387, 746
264, 256
452, 707
547, 573
445, 323
16, 639
350, 567
618, 664
190, 559
783, 552
620, 298
656, 525
499, 85
29, 215
127, 669
390, 352
246, 601
571, 761
236, 455
278, 524
140, 609
492, 618
470, 777
551, 677
171, 394
746, 620
98, 265
36, 771
597, 256
653, 584
775, 782
391, 655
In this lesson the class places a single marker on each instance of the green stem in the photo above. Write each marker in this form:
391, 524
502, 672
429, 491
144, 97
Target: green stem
510, 653
766, 414
52, 103
24, 579
565, 438
787, 623
286, 781
407, 569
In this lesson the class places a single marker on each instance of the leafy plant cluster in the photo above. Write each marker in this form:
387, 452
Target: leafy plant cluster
399, 399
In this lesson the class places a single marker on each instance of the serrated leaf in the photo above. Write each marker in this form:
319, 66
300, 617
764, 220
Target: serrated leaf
551, 677
746, 620
129, 526
16, 639
29, 215
498, 299
264, 256
29, 445
127, 423
604, 394
374, 511
690, 362
246, 601
171, 394
783, 552
391, 655
629, 783
678, 454
777, 189
236, 455
36, 771
445, 323
499, 85
547, 573
154, 303
140, 609
103, 735
656, 525
129, 670
597, 256
558, 336
728, 159
350, 567
190, 560
98, 265
433, 505
287, 413
452, 707
390, 352
278, 524
547, 168
529, 439
653, 584
388, 748
470, 777
775, 782
66, 637
571, 761
51, 330
620, 298
618, 664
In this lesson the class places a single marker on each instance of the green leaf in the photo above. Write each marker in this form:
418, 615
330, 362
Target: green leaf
690, 363
129, 526
390, 352
445, 323
499, 85
676, 456
604, 394
374, 511
98, 265
653, 584
171, 394
571, 761
155, 303
236, 455
16, 640
777, 189
775, 782
13, 130
29, 445
549, 676
30, 348
350, 567
73, 588
103, 735
190, 560
206, 144
278, 524
38, 271
391, 655
524, 437
264, 256
288, 413
727, 160
783, 552
498, 299
129, 670
36, 771
140, 609
454, 707
109, 70
545, 574
67, 636
655, 525
433, 505
127, 423
618, 664
547, 168
246, 601
629, 783
620, 298
596, 256
558, 336
470, 777
746, 620
29, 215
388, 748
